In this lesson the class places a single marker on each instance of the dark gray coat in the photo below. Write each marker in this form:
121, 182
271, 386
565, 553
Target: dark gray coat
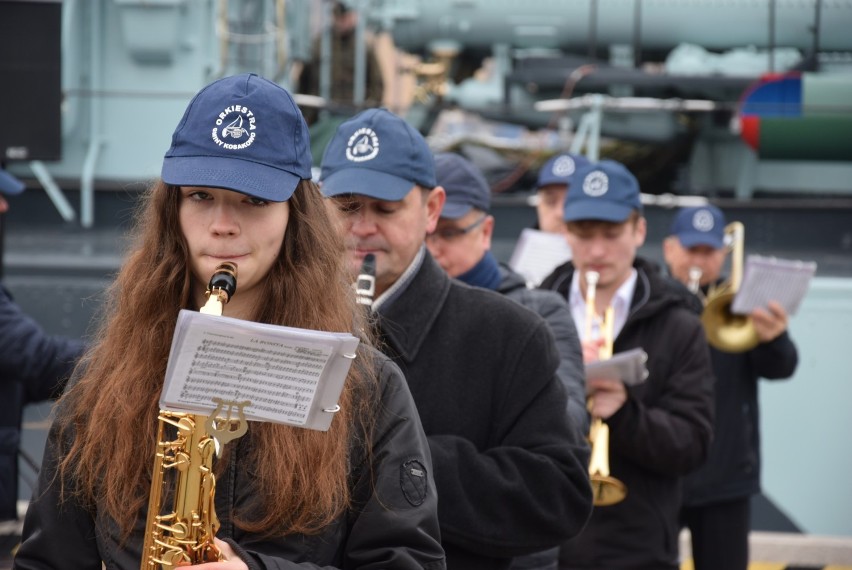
510, 471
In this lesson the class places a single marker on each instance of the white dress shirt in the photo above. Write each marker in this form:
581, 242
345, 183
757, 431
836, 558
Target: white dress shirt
620, 304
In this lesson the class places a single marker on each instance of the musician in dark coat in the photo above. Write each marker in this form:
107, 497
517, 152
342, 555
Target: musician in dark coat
34, 367
510, 469
717, 497
659, 429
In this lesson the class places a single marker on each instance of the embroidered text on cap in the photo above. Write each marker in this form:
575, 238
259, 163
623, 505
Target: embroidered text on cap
235, 128
702, 221
363, 145
564, 166
596, 183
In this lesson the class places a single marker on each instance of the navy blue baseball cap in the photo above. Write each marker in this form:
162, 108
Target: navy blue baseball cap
376, 154
604, 191
699, 225
559, 169
9, 185
241, 133
464, 184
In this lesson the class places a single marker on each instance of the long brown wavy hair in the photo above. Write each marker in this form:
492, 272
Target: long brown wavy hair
108, 418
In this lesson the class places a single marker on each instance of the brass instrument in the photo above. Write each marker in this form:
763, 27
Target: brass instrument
183, 534
726, 331
694, 284
606, 490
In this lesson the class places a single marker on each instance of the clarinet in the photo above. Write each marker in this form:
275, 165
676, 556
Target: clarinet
365, 285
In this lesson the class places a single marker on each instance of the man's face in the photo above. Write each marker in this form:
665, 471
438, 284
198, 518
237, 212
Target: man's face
605, 247
457, 245
680, 259
392, 231
345, 22
550, 207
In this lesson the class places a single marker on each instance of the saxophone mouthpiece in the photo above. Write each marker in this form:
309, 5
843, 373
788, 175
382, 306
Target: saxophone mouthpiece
224, 279
220, 289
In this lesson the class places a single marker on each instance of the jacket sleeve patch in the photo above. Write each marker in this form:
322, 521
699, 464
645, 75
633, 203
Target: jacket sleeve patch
413, 480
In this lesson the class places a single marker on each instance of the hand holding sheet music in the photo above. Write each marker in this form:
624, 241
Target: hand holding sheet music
769, 279
287, 375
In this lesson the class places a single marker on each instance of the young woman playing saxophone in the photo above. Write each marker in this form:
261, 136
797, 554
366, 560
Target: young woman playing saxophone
235, 188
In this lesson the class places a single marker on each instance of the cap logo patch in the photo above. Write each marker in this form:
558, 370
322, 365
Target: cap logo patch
363, 145
564, 166
234, 128
596, 184
702, 221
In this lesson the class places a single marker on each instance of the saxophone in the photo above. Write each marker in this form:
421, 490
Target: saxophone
183, 534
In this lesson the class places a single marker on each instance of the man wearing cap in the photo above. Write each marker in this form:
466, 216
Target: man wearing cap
717, 497
34, 367
659, 430
509, 469
341, 57
551, 186
461, 244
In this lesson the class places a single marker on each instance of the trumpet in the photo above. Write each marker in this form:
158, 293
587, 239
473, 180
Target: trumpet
182, 533
726, 331
606, 490
694, 283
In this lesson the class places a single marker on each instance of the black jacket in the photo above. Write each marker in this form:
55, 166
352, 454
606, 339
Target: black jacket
555, 311
732, 470
395, 526
510, 472
659, 435
34, 367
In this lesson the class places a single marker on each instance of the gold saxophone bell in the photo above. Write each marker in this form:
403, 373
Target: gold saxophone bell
726, 331
182, 532
606, 489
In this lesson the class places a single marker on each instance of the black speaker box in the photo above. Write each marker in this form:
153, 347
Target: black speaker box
30, 80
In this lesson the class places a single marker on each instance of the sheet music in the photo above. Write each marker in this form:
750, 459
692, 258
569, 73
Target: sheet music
538, 253
769, 279
287, 375
628, 366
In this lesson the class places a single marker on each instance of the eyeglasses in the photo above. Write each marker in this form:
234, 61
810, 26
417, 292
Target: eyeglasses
451, 233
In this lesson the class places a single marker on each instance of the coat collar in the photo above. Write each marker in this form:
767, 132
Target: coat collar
406, 323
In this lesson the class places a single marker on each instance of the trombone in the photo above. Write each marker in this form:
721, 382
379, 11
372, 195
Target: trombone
726, 331
606, 490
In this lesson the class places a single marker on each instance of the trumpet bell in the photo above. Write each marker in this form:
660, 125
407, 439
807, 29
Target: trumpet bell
725, 330
607, 490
